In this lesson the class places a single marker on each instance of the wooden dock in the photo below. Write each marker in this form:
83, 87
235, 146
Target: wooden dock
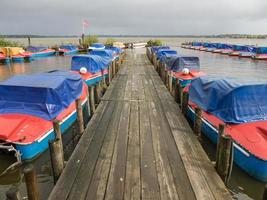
138, 145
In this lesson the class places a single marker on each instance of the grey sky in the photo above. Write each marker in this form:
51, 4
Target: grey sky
168, 17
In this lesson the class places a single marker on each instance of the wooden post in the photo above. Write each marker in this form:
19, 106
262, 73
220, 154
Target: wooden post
197, 122
83, 39
80, 41
79, 110
31, 182
170, 82
92, 99
177, 97
13, 194
224, 155
56, 156
109, 75
29, 41
185, 102
264, 196
97, 91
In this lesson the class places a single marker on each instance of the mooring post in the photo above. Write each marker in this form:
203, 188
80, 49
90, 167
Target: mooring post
197, 122
13, 194
264, 196
177, 97
92, 99
109, 75
170, 82
224, 154
83, 40
79, 110
29, 41
97, 97
185, 99
31, 182
56, 156
113, 68
180, 93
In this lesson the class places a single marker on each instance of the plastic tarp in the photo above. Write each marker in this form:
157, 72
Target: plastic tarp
161, 52
224, 46
11, 51
156, 48
69, 47
230, 99
240, 48
97, 46
261, 50
102, 53
35, 49
166, 55
117, 50
197, 44
210, 45
178, 63
43, 95
93, 63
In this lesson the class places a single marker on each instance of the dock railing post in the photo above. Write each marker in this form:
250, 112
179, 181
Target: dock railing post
31, 182
13, 194
92, 99
224, 154
79, 110
109, 74
264, 196
185, 99
177, 97
197, 122
170, 82
96, 91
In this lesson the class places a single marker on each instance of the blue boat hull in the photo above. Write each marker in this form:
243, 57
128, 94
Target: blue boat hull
5, 60
18, 59
182, 82
69, 52
32, 150
254, 166
94, 80
42, 54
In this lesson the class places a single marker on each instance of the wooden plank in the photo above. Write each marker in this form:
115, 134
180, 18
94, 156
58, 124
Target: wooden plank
116, 181
64, 184
98, 183
132, 179
149, 179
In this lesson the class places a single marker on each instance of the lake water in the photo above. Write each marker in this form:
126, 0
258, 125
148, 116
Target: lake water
241, 185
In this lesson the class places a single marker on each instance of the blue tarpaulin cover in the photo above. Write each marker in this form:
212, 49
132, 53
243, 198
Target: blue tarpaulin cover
224, 46
161, 52
230, 99
261, 50
102, 53
35, 49
93, 63
69, 47
240, 48
97, 46
210, 45
115, 49
156, 48
197, 44
178, 63
43, 95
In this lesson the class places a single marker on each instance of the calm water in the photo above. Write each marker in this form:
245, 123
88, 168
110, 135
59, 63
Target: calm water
241, 185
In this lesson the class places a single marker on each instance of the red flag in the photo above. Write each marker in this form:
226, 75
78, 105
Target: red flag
85, 23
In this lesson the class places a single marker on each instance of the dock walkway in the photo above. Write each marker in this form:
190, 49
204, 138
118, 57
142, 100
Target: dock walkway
138, 145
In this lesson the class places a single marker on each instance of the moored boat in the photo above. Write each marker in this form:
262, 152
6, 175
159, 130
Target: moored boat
260, 54
238, 49
92, 68
30, 103
67, 49
40, 51
242, 106
4, 59
96, 46
223, 48
16, 54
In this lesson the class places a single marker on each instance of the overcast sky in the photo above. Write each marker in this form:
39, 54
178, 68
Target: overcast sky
158, 17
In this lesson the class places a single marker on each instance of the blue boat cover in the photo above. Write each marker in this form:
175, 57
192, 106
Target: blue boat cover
93, 63
35, 49
102, 53
224, 46
161, 52
261, 50
69, 47
197, 44
210, 45
117, 50
156, 48
230, 99
43, 95
178, 63
98, 45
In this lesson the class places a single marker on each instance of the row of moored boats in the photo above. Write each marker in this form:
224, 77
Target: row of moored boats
238, 50
239, 104
29, 103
